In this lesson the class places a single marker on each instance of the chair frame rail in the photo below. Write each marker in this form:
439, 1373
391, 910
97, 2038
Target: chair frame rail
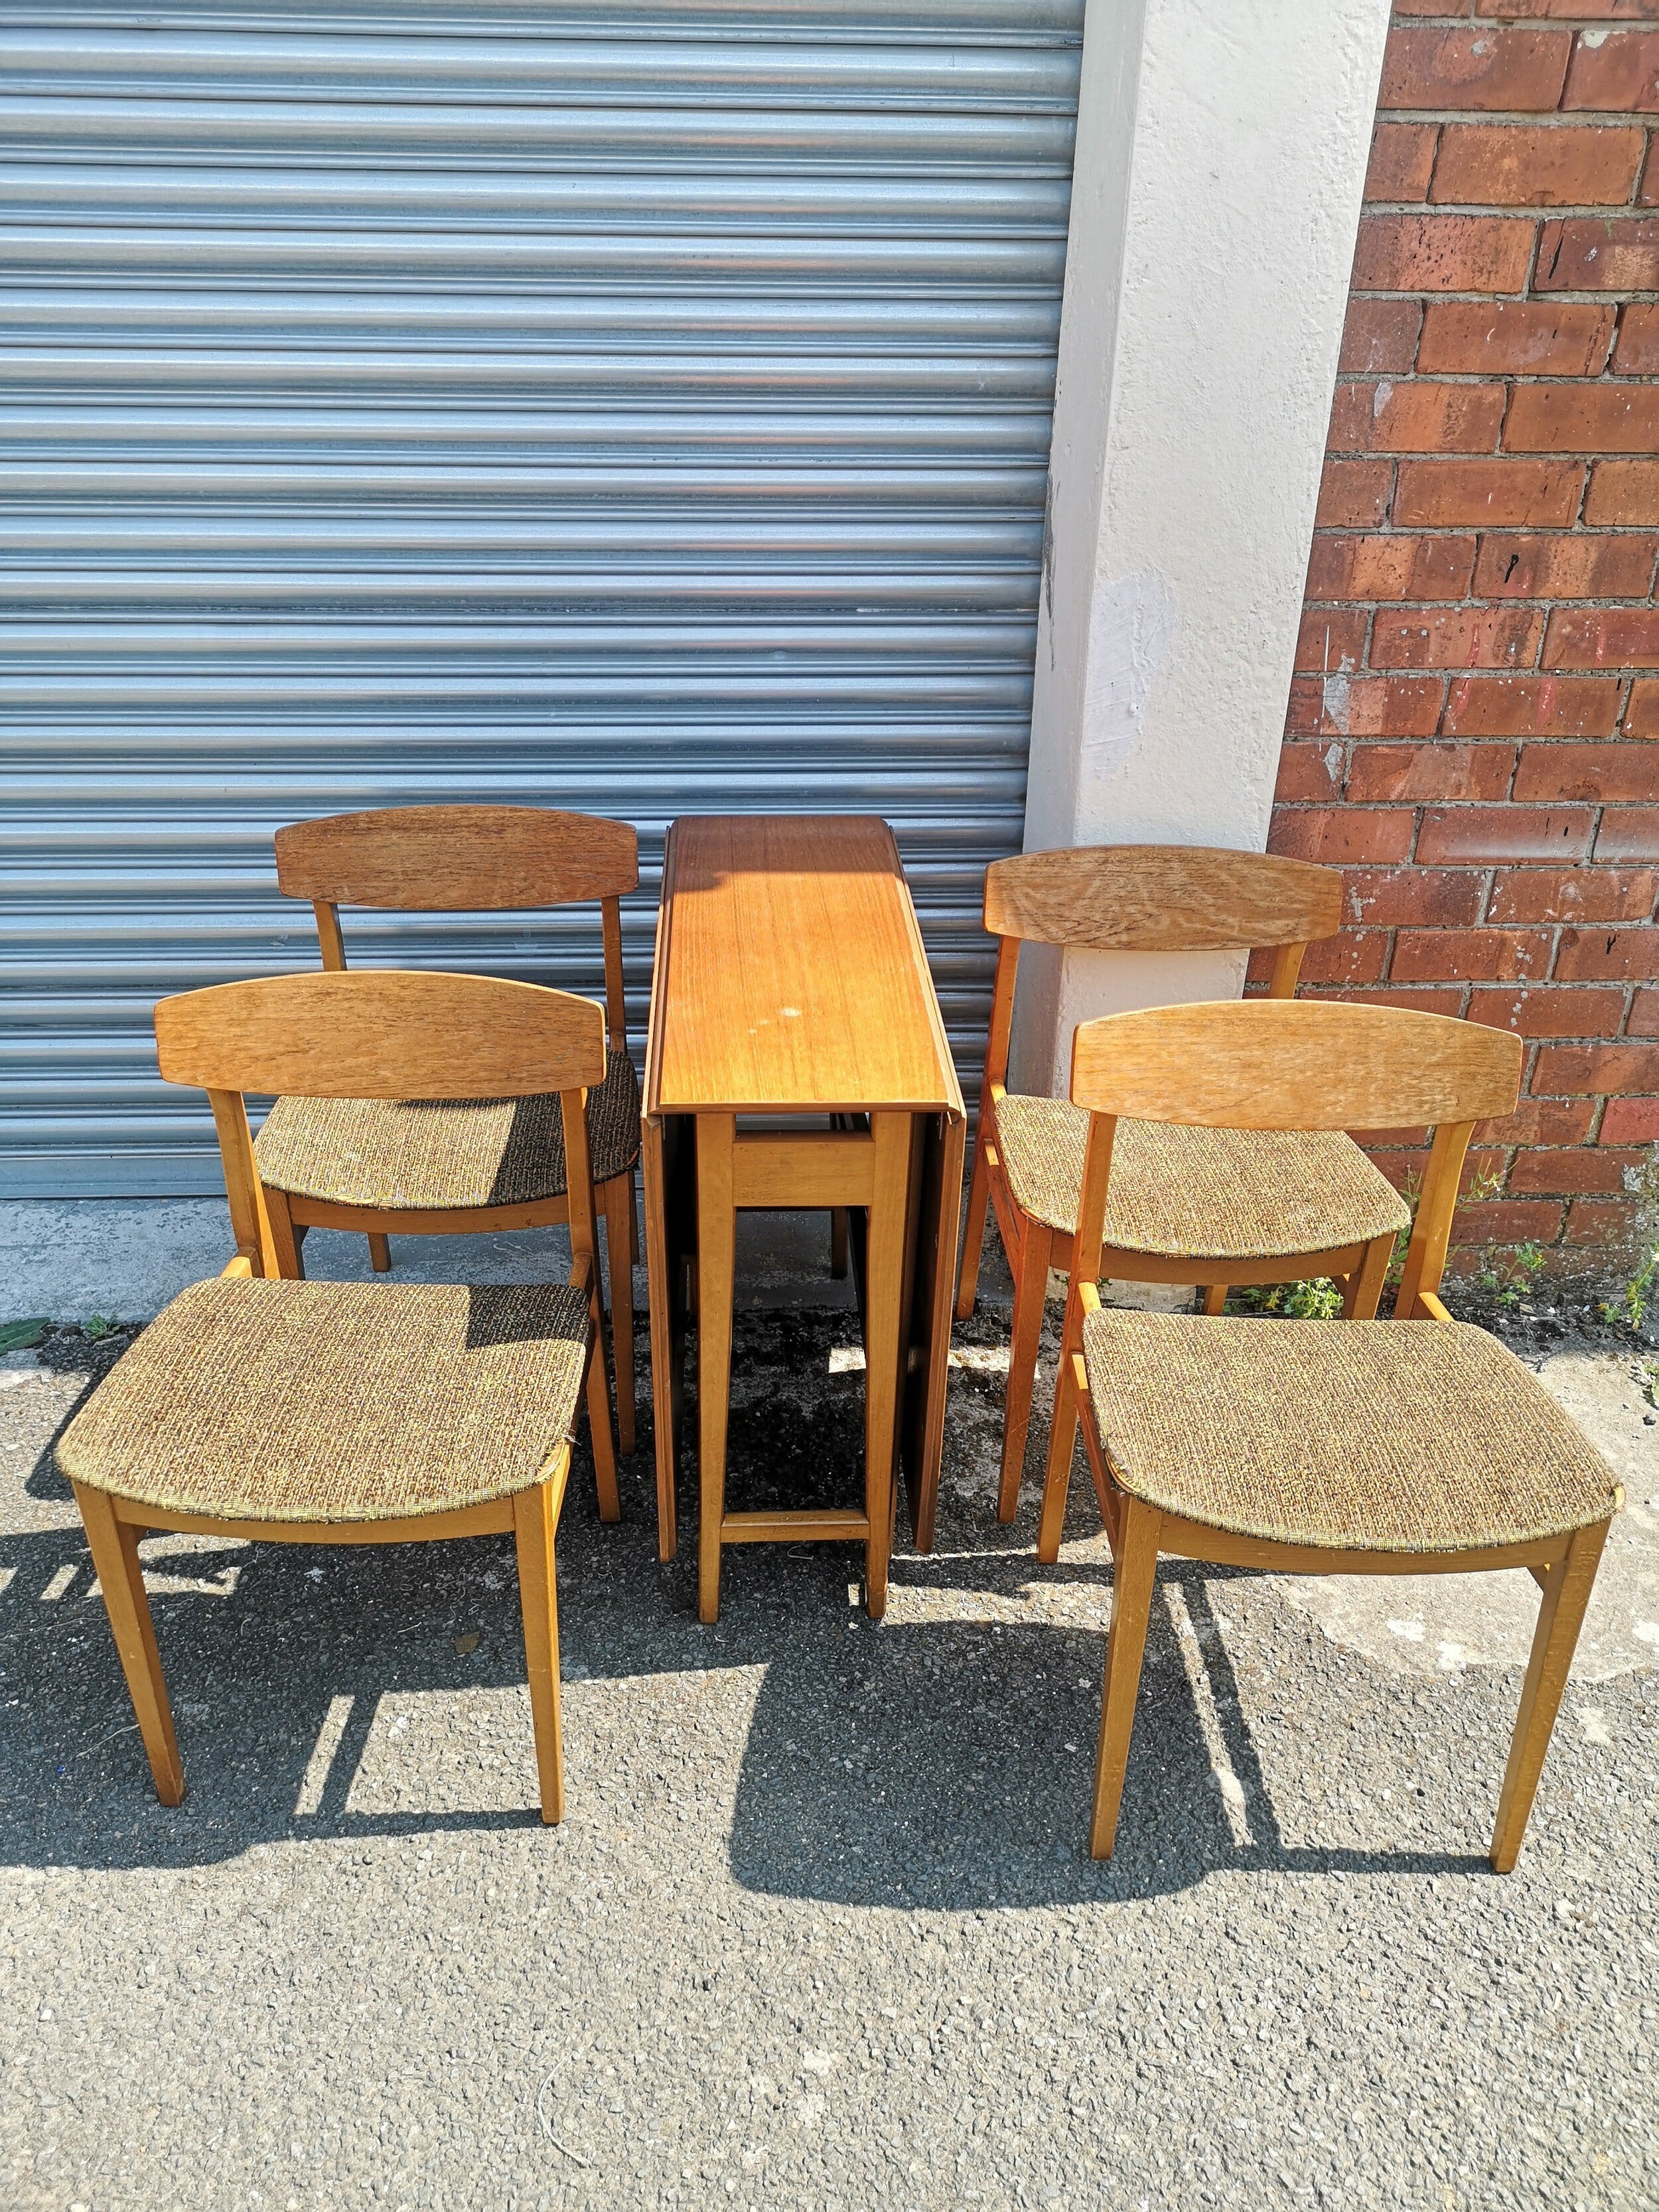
268, 1010
1479, 1077
1134, 898
481, 858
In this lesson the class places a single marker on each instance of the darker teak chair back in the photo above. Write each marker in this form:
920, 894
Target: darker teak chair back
477, 859
1337, 1219
416, 1171
1161, 898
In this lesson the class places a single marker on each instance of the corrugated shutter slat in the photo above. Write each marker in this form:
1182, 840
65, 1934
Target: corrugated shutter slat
630, 408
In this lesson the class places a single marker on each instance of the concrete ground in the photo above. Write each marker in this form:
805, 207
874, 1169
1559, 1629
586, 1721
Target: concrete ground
122, 1259
820, 1929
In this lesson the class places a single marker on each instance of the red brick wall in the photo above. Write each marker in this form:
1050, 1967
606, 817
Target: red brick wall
1474, 732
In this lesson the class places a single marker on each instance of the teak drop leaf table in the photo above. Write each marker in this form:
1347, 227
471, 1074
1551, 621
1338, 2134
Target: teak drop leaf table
792, 991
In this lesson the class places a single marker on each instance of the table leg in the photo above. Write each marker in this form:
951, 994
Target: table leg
923, 1443
884, 1340
716, 1259
660, 1294
914, 1189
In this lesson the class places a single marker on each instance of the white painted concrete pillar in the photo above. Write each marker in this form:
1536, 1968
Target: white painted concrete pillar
1221, 156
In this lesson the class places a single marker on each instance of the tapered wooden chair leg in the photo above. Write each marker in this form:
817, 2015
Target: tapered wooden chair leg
662, 1272
973, 1239
1134, 1577
1057, 1480
379, 1253
1030, 1299
114, 1548
1560, 1616
1362, 1292
618, 1236
532, 1524
600, 1433
284, 1240
1215, 1298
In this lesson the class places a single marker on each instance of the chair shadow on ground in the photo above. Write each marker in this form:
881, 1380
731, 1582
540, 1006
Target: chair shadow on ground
946, 1763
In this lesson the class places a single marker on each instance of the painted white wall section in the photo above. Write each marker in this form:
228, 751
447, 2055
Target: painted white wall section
1221, 156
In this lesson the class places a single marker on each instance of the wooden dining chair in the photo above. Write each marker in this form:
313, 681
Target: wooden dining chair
1216, 1206
443, 1166
259, 1405
1408, 1446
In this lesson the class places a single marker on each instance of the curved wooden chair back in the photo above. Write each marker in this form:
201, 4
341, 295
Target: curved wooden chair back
464, 859
1294, 1064
384, 1033
451, 858
1150, 898
1161, 898
1262, 1064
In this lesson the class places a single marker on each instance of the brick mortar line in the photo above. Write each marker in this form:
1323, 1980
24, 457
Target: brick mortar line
1644, 603
1575, 533
1527, 118
1470, 20
1617, 672
1606, 603
1518, 211
1548, 298
1399, 19
1585, 459
1474, 379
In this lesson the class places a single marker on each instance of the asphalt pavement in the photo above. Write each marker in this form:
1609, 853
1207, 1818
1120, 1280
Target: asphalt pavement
820, 1930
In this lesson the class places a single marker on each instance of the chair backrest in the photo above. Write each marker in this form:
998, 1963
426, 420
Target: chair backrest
1161, 898
1294, 1064
1151, 898
450, 859
464, 859
383, 1033
1267, 1064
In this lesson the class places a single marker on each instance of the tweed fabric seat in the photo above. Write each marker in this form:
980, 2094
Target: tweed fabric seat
1199, 1194
1401, 1436
414, 1154
335, 1401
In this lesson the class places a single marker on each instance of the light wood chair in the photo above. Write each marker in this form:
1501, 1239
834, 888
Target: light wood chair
441, 1167
258, 1405
1213, 1206
1401, 1447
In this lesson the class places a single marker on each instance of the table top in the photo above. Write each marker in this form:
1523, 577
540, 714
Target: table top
790, 973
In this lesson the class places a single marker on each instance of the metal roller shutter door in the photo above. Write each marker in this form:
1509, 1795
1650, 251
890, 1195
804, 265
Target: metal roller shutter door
629, 409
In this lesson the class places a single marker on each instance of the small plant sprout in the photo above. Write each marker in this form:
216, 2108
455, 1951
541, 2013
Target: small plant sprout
1509, 1278
1630, 1306
1317, 1298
